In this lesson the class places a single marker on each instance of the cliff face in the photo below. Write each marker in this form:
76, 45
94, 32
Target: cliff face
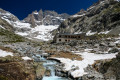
8, 15
100, 17
114, 68
45, 18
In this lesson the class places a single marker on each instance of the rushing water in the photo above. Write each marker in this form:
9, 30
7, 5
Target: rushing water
50, 64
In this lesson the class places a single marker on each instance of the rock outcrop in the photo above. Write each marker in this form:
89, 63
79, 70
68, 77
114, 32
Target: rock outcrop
45, 18
109, 68
14, 68
7, 15
100, 17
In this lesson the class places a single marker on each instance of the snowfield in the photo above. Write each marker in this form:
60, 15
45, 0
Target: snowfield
5, 53
88, 59
41, 32
44, 32
21, 24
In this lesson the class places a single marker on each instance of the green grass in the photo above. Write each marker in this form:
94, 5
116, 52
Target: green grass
8, 59
10, 36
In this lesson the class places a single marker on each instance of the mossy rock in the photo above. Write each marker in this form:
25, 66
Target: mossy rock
3, 77
16, 71
48, 72
39, 69
8, 59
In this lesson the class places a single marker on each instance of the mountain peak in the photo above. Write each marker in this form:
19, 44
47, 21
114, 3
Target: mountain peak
46, 17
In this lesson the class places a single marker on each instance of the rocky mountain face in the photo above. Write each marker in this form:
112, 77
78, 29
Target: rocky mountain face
101, 17
6, 25
37, 25
45, 18
7, 15
12, 20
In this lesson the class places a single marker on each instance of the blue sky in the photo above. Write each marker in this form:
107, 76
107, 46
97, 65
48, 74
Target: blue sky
21, 8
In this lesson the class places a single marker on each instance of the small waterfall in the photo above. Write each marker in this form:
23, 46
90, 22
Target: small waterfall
42, 58
49, 64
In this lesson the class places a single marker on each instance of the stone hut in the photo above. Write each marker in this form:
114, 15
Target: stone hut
72, 37
67, 37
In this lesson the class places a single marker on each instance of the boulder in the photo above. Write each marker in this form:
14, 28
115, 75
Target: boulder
47, 72
112, 44
118, 56
113, 50
103, 44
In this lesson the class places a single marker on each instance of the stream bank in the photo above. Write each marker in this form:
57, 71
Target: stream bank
50, 65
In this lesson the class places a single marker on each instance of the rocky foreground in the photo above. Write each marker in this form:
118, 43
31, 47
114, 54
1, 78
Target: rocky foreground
26, 59
19, 65
99, 55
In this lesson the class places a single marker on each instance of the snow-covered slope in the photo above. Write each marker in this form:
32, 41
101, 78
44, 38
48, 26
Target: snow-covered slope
41, 32
12, 19
44, 32
44, 22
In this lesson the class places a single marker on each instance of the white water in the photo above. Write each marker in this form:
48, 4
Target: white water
51, 66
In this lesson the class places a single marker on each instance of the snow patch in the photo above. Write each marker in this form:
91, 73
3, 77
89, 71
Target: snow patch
36, 13
78, 15
7, 20
78, 33
5, 53
17, 24
22, 34
88, 59
89, 33
2, 27
21, 25
44, 32
26, 58
90, 8
117, 42
104, 32
102, 2
60, 18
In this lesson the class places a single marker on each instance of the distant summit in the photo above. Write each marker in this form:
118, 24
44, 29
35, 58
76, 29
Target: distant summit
45, 18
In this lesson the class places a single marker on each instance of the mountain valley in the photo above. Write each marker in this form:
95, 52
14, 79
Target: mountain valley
28, 50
